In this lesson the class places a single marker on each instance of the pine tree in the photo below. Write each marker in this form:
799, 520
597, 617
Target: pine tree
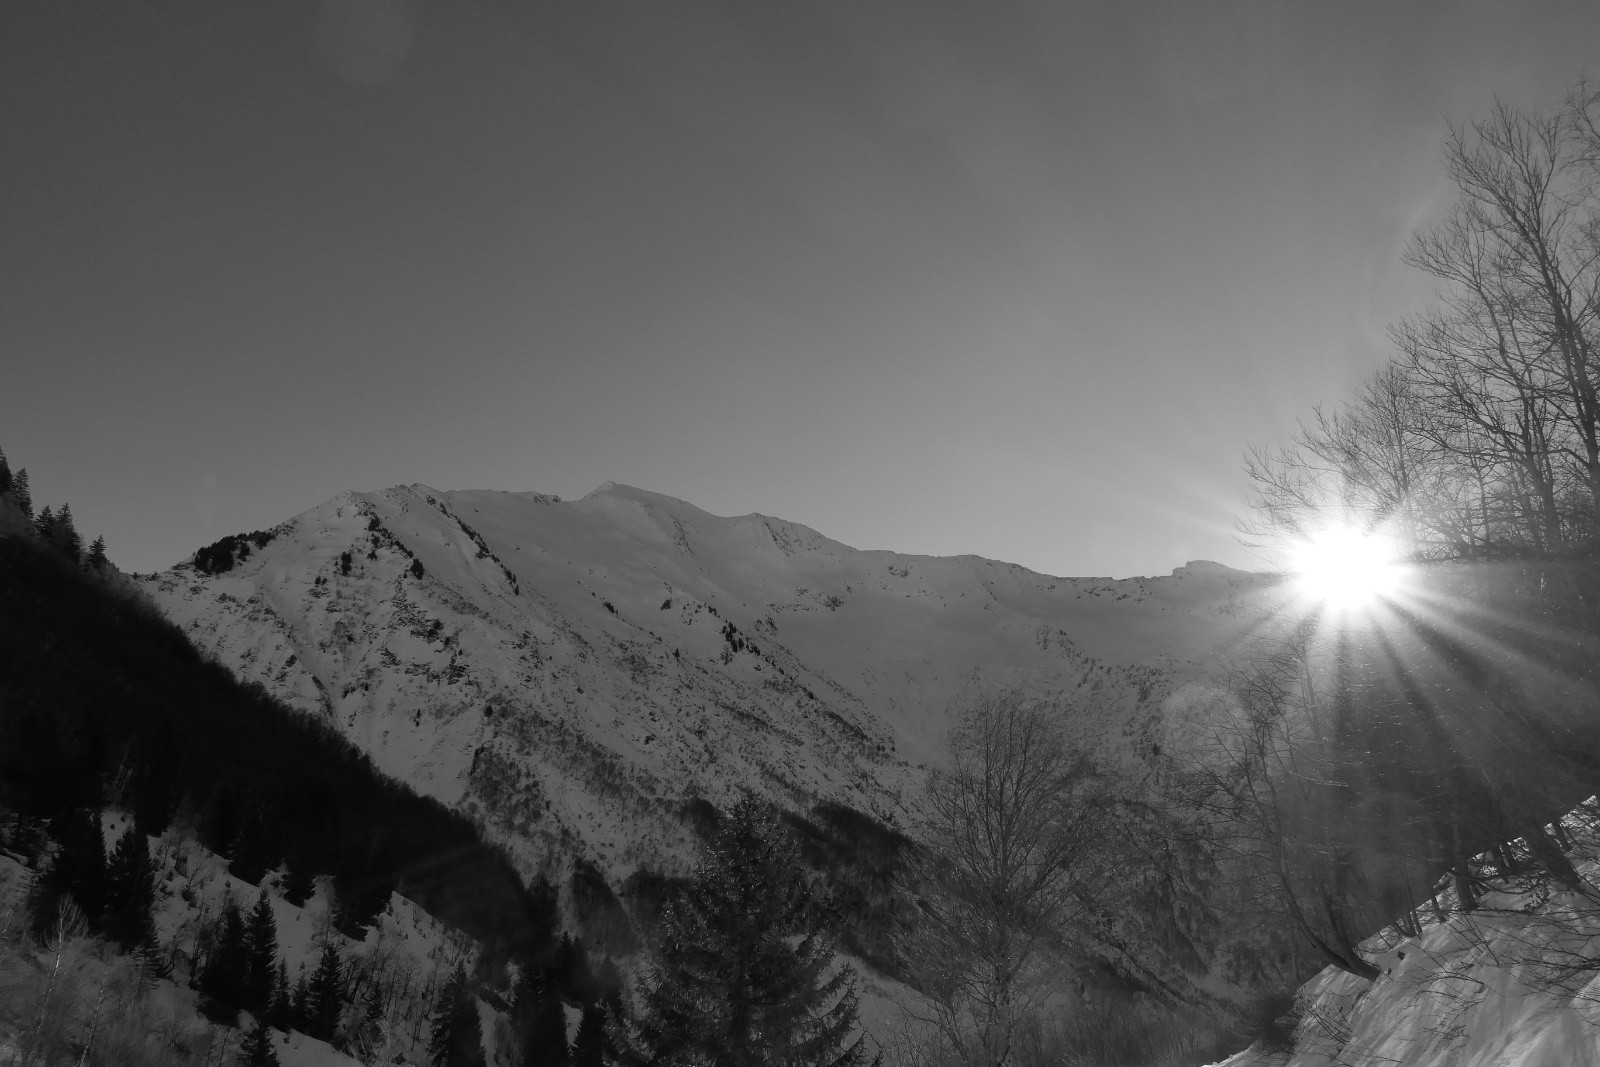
19, 492
78, 870
221, 980
298, 882
280, 1013
65, 537
589, 1043
5, 474
261, 953
324, 1000
130, 891
96, 559
539, 1022
258, 1048
740, 964
300, 1002
44, 525
571, 970
457, 1037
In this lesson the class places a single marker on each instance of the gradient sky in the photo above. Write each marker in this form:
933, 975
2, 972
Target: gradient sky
1013, 278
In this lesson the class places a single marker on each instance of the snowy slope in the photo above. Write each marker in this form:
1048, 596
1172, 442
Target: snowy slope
1513, 984
572, 672
406, 953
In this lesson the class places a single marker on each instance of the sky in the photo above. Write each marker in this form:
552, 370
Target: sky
1019, 278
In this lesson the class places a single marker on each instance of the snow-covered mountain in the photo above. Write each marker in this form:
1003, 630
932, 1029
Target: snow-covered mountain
573, 672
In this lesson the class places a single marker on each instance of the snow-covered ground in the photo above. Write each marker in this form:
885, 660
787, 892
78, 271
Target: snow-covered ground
1514, 984
84, 983
572, 672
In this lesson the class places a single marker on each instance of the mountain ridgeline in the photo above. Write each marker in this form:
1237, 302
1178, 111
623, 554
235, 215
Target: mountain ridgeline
578, 675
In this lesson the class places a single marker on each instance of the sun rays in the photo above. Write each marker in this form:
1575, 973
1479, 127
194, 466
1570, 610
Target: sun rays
1347, 569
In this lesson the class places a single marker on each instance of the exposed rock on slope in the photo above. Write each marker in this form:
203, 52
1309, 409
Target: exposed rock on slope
573, 672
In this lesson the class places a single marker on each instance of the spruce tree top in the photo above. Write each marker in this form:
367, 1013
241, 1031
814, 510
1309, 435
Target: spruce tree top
743, 974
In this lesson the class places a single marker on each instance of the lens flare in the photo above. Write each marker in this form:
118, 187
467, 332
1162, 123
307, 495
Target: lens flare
1347, 568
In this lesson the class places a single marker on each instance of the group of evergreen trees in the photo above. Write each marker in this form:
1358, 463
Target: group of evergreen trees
741, 972
241, 971
54, 529
14, 487
115, 896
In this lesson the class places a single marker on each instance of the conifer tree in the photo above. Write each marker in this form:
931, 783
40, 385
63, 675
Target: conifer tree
324, 1000
261, 953
457, 1037
65, 537
96, 559
589, 1043
44, 524
300, 1002
78, 870
571, 970
130, 891
221, 980
740, 964
539, 1022
298, 881
258, 1050
19, 492
5, 474
280, 1013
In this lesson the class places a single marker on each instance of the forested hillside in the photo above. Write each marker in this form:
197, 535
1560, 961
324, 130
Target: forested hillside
229, 817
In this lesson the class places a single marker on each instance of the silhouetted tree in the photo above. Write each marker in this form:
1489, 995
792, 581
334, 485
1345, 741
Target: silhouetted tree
325, 996
77, 871
258, 1048
298, 881
19, 492
280, 1012
539, 1022
66, 539
589, 1043
1015, 853
300, 1002
130, 892
457, 1036
96, 559
227, 962
740, 964
571, 970
261, 955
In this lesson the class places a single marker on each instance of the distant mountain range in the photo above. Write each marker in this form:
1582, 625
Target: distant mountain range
576, 673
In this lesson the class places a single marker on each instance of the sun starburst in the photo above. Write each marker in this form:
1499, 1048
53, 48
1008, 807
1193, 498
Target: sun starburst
1347, 568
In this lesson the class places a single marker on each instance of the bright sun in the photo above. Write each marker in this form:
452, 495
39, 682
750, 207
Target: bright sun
1347, 568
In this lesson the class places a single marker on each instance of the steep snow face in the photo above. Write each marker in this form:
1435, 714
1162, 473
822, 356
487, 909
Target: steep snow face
572, 672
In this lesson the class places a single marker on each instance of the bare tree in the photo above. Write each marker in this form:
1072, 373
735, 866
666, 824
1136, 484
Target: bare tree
1012, 853
1483, 438
1371, 463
